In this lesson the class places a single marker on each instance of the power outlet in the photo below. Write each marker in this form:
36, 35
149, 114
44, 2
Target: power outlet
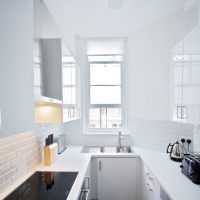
187, 146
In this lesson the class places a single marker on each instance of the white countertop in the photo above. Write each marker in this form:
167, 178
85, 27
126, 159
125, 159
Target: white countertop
167, 172
72, 161
69, 161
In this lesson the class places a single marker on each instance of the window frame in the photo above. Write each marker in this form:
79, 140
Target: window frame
37, 65
72, 64
86, 96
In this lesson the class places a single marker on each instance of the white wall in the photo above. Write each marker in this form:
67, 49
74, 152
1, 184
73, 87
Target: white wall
74, 133
16, 66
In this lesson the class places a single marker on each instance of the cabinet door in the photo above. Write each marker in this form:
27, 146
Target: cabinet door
186, 84
150, 188
117, 178
52, 67
60, 74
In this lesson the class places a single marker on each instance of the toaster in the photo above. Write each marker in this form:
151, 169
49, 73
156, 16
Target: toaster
61, 141
191, 167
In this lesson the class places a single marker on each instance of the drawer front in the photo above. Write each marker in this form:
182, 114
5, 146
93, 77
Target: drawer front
152, 184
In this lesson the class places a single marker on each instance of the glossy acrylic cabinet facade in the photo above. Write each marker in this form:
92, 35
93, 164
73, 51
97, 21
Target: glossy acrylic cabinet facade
60, 77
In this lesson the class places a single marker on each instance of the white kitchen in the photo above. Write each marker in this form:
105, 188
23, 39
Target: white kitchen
100, 100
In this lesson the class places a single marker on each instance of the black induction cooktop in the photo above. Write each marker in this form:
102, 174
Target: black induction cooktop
45, 186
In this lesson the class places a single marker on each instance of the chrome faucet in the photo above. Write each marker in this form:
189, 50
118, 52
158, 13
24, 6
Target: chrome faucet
120, 138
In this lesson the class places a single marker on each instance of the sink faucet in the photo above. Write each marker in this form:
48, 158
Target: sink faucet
120, 138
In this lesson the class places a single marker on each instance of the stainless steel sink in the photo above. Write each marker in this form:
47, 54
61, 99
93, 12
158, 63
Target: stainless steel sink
89, 149
122, 149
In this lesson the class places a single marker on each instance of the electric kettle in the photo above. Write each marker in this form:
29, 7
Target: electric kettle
175, 152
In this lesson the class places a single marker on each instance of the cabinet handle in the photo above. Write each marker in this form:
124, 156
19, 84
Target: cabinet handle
100, 167
149, 176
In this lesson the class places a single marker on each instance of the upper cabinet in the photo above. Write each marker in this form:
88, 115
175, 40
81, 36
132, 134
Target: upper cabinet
51, 50
186, 81
56, 73
61, 76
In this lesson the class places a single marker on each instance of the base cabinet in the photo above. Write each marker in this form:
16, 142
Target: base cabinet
150, 188
123, 178
116, 178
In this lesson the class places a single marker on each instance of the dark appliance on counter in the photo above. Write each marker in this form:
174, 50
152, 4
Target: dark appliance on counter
191, 167
175, 151
45, 185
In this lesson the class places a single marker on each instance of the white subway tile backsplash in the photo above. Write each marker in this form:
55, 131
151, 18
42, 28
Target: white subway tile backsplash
1, 160
4, 168
157, 134
10, 174
1, 179
22, 152
197, 139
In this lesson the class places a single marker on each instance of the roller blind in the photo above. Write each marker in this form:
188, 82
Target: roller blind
105, 46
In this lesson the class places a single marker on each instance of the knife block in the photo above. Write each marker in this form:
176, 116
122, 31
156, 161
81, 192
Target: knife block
50, 154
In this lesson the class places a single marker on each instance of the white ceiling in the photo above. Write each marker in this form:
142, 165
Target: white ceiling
95, 18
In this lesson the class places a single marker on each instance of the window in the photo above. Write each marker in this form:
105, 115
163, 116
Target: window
37, 75
106, 86
69, 87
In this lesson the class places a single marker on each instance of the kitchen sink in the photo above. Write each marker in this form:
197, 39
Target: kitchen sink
107, 149
122, 149
90, 149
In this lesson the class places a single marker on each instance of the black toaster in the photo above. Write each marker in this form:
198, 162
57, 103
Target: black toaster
191, 167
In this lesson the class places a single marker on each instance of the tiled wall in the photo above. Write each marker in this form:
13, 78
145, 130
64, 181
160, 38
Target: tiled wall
197, 139
156, 135
22, 152
75, 136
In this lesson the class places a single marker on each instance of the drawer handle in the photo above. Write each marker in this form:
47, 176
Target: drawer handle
100, 167
150, 187
149, 176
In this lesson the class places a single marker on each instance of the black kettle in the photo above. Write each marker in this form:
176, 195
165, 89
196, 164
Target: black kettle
175, 151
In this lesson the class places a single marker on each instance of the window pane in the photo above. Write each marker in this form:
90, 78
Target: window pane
105, 95
37, 90
178, 80
68, 59
37, 79
94, 118
106, 58
69, 76
69, 95
191, 75
105, 118
105, 74
68, 114
114, 118
68, 65
36, 59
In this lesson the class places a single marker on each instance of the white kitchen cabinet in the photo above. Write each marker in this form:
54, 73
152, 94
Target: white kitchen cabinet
150, 188
86, 185
117, 178
60, 76
52, 67
186, 82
